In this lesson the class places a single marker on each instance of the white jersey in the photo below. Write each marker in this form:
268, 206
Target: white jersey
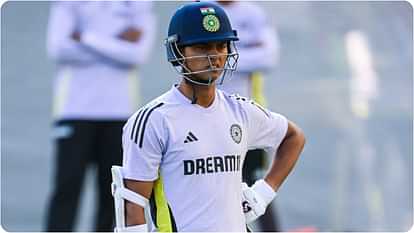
258, 46
97, 77
195, 156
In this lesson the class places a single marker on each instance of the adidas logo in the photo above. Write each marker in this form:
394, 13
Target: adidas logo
190, 138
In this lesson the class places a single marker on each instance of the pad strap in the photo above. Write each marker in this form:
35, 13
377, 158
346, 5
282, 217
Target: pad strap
131, 196
136, 228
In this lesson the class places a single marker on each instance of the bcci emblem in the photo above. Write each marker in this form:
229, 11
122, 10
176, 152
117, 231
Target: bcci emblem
246, 206
211, 23
236, 133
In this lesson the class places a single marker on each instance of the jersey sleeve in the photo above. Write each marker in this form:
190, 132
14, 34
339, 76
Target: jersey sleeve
61, 47
266, 129
261, 50
125, 52
143, 144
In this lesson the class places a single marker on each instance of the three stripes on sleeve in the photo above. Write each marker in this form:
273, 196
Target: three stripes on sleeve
138, 129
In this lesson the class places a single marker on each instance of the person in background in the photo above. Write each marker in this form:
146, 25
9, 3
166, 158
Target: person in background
259, 52
97, 48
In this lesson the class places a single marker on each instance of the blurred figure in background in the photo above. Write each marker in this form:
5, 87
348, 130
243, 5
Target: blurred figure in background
363, 92
97, 47
259, 51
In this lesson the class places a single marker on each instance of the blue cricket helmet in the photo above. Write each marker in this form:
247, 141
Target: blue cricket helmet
201, 22
195, 23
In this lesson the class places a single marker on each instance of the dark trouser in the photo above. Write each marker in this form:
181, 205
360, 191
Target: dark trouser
90, 142
255, 160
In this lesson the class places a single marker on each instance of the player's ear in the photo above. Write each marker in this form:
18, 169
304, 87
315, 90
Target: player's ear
179, 53
184, 52
181, 49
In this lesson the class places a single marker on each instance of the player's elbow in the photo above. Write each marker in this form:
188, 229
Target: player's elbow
54, 52
59, 54
301, 138
296, 135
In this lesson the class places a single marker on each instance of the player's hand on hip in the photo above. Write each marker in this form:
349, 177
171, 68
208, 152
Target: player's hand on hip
255, 199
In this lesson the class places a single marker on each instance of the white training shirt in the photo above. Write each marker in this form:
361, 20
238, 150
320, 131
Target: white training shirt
258, 45
97, 77
197, 155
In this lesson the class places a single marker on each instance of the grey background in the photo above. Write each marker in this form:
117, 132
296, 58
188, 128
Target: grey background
336, 186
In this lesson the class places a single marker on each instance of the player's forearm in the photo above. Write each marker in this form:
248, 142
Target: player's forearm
122, 51
70, 52
262, 57
286, 156
61, 47
134, 214
252, 60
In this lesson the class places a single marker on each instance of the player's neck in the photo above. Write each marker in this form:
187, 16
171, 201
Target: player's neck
204, 94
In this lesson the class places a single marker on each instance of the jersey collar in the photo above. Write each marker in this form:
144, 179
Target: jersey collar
184, 100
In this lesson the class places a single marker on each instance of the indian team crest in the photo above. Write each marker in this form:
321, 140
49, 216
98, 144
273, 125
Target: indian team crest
211, 23
236, 133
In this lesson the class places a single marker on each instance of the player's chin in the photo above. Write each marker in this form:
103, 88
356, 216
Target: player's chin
215, 74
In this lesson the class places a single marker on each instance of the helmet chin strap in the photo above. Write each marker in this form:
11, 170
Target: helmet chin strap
199, 82
194, 100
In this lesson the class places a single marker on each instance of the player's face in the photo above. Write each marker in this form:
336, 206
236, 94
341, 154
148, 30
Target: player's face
217, 52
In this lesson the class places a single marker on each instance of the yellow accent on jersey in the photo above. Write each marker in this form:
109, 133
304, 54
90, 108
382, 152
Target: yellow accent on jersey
163, 223
257, 88
133, 89
61, 93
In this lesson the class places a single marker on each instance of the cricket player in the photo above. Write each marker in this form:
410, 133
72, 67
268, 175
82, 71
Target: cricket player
183, 152
97, 47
